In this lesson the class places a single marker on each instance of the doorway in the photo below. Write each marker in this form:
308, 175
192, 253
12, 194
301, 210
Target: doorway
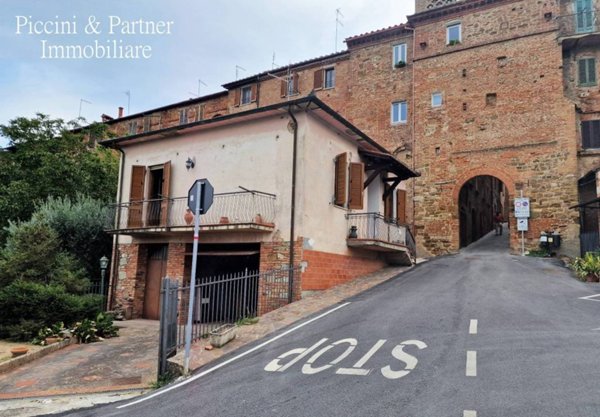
480, 199
155, 195
155, 271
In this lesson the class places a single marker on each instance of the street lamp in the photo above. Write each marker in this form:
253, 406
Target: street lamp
103, 266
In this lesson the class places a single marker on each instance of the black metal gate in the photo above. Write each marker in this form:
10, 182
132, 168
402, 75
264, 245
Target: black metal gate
169, 300
590, 242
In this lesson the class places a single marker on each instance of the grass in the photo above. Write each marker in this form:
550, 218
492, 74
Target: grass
247, 321
164, 379
539, 253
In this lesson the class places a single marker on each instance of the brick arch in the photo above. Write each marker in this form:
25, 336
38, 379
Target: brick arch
476, 172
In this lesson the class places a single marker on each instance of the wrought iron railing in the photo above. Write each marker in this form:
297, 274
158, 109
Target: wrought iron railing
235, 208
374, 226
578, 23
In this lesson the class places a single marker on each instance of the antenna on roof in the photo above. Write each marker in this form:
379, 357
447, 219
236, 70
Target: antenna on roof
338, 23
237, 68
128, 94
273, 64
200, 82
81, 101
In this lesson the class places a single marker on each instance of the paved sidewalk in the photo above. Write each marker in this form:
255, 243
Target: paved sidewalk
275, 320
125, 362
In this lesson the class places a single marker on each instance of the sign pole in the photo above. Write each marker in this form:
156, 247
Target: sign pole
522, 236
188, 327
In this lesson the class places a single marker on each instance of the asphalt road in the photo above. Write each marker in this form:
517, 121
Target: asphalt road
411, 348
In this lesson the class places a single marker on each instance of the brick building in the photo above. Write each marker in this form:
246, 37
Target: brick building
463, 92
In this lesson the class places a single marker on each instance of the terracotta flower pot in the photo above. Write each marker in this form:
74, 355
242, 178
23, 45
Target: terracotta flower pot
51, 340
188, 217
224, 220
19, 351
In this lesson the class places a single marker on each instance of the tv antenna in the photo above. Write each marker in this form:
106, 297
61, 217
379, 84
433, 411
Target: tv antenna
237, 68
128, 94
200, 83
338, 23
81, 101
273, 64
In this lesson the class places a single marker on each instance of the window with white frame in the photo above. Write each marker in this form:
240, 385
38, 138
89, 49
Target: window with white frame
330, 78
399, 112
399, 55
453, 33
437, 100
246, 95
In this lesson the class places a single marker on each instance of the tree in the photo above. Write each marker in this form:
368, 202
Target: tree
50, 158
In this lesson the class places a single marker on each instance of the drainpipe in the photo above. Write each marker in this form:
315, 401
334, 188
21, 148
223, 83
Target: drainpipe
114, 262
414, 143
293, 208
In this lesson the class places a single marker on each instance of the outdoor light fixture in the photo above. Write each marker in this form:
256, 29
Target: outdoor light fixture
103, 262
190, 163
103, 266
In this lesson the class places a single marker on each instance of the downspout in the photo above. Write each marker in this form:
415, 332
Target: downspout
293, 207
114, 263
414, 143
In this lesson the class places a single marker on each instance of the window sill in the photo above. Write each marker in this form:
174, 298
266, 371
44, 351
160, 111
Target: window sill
400, 123
589, 152
587, 85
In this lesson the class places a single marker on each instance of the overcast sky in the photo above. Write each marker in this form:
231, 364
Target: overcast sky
208, 39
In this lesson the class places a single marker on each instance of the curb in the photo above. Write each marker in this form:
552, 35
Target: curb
14, 363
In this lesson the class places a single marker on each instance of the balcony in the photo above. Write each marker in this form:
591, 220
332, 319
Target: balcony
375, 232
245, 211
576, 26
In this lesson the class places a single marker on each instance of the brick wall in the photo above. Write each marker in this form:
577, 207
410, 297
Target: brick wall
130, 285
326, 270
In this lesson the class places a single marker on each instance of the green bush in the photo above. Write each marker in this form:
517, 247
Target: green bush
23, 331
85, 331
587, 265
45, 304
105, 326
33, 253
79, 224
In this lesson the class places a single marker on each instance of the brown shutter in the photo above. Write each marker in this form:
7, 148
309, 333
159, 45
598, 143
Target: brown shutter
388, 204
165, 191
253, 92
238, 97
357, 180
283, 88
319, 79
296, 83
401, 206
341, 177
136, 196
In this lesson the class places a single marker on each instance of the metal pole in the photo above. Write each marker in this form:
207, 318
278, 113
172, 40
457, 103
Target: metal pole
188, 327
102, 275
522, 235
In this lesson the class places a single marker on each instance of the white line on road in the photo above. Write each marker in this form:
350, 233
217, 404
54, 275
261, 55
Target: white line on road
227, 362
473, 327
471, 363
590, 297
469, 413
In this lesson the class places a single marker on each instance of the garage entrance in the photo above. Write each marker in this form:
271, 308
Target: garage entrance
480, 199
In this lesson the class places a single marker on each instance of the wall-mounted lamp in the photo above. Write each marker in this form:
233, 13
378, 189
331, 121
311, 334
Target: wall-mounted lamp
190, 163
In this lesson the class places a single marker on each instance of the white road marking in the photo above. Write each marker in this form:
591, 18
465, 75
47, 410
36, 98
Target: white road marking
471, 363
473, 327
590, 297
227, 362
596, 329
356, 369
469, 413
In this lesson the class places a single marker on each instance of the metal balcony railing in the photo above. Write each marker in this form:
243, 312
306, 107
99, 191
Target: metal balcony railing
577, 24
235, 208
374, 226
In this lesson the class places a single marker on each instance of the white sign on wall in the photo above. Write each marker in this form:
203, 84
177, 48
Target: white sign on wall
522, 207
522, 224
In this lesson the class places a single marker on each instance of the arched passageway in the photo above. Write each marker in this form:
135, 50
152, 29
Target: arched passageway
480, 199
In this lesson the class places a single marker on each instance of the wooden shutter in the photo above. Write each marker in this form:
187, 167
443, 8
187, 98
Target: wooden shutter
341, 178
319, 79
136, 196
283, 88
165, 191
591, 71
296, 83
401, 206
357, 179
590, 134
253, 92
238, 97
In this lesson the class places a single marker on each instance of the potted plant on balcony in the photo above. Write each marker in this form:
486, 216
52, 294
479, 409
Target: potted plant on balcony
188, 216
400, 64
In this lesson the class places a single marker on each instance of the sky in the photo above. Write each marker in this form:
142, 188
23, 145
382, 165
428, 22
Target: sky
207, 40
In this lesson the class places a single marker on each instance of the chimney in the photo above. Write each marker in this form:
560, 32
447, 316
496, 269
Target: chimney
120, 112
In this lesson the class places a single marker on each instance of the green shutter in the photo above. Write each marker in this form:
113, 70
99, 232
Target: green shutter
591, 71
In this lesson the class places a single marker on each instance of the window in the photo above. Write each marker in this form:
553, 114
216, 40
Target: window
453, 34
330, 78
436, 100
289, 86
183, 118
246, 95
147, 122
399, 112
133, 127
587, 71
590, 134
399, 55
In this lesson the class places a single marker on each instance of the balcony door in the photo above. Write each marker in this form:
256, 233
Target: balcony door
158, 195
584, 13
